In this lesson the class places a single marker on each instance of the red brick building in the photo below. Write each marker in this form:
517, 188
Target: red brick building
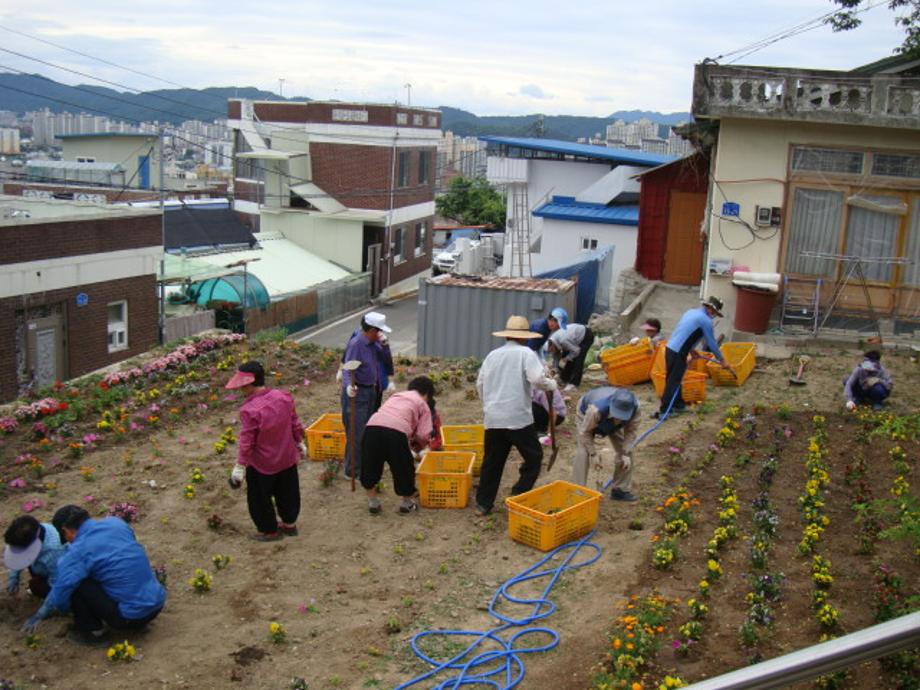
77, 288
350, 182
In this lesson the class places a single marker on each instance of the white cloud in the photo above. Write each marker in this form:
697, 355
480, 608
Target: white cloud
587, 58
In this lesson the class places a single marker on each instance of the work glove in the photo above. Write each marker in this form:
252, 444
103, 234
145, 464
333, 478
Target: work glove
382, 338
564, 362
352, 391
338, 375
851, 405
12, 585
635, 341
626, 461
31, 624
391, 387
237, 476
549, 384
302, 449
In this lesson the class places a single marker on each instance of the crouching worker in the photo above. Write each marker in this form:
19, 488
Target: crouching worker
614, 413
270, 444
540, 406
104, 578
869, 384
403, 422
34, 546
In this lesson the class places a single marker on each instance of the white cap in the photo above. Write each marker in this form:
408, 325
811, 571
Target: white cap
377, 320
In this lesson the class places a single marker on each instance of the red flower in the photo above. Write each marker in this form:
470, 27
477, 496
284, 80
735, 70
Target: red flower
62, 406
103, 385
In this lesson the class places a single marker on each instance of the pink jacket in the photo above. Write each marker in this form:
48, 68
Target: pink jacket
406, 412
270, 431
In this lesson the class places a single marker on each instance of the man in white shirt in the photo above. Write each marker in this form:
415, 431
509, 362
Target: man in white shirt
504, 384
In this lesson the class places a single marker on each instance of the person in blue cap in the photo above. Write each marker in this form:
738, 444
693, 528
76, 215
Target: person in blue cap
614, 413
557, 318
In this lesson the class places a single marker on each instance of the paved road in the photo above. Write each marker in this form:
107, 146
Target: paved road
402, 317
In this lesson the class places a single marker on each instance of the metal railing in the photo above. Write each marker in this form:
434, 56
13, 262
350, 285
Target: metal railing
867, 644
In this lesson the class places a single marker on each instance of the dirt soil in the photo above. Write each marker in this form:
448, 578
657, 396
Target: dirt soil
352, 588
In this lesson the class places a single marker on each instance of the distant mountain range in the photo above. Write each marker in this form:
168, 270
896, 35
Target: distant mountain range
24, 92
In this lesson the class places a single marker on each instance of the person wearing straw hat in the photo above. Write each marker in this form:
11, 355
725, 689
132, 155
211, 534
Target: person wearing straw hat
614, 413
35, 546
694, 325
270, 444
504, 384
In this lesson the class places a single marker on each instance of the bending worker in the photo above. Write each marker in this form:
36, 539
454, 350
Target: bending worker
694, 325
614, 413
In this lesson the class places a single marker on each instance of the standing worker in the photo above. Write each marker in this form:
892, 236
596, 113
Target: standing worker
694, 325
270, 444
363, 385
544, 330
504, 384
570, 346
614, 413
402, 425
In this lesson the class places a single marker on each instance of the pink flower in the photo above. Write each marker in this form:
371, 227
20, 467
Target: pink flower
306, 382
18, 483
183, 440
89, 498
32, 504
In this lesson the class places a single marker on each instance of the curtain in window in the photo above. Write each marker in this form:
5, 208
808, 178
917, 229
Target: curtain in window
873, 235
911, 272
815, 227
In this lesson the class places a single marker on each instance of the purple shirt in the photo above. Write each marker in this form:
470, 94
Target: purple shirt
370, 355
270, 431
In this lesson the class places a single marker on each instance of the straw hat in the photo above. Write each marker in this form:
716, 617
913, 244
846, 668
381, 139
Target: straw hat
517, 327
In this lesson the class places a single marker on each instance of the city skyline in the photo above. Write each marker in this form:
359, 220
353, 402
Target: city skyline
489, 59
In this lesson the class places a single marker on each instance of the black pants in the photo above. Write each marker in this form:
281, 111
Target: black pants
380, 446
676, 364
571, 372
92, 607
283, 487
498, 443
541, 418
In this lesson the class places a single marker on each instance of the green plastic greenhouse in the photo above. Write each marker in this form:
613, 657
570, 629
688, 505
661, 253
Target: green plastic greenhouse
229, 288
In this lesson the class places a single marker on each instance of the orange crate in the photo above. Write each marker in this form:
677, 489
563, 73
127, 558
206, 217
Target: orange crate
552, 515
693, 385
326, 438
628, 364
741, 357
444, 479
466, 438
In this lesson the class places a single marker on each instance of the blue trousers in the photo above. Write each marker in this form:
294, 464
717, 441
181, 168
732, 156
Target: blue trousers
366, 404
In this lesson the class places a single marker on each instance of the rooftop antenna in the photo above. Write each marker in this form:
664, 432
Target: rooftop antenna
281, 81
408, 88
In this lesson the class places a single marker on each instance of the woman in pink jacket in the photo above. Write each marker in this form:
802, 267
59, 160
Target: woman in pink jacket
401, 424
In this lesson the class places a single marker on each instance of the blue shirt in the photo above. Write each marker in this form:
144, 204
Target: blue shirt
370, 355
107, 552
45, 564
386, 361
600, 398
693, 325
540, 326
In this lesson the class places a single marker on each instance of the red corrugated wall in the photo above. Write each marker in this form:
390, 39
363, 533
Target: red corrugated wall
685, 175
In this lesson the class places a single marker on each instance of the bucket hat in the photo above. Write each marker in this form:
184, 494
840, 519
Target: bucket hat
715, 303
623, 405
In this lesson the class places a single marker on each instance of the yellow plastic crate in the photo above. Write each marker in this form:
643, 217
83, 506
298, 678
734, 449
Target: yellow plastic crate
326, 438
465, 438
741, 357
552, 515
693, 385
444, 479
628, 364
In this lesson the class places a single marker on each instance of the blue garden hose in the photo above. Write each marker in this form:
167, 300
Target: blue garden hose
510, 672
645, 433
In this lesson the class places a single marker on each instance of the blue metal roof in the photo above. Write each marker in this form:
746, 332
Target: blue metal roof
566, 208
623, 156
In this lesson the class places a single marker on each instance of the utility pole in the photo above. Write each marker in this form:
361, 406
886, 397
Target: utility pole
408, 88
281, 81
161, 184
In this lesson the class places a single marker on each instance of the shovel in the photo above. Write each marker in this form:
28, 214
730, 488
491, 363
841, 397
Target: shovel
350, 366
550, 398
798, 379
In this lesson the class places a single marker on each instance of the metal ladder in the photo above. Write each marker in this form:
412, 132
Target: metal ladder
519, 221
800, 306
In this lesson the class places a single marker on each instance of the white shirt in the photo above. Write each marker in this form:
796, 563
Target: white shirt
504, 386
568, 340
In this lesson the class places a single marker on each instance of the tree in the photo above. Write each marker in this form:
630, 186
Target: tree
846, 19
472, 202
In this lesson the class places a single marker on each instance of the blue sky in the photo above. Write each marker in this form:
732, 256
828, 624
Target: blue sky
490, 57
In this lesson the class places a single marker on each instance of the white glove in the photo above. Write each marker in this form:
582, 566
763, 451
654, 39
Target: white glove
382, 338
391, 387
550, 384
352, 391
851, 405
635, 341
237, 476
338, 375
302, 447
626, 461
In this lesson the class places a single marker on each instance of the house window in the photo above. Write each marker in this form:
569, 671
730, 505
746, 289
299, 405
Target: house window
420, 231
345, 115
423, 161
588, 244
418, 120
402, 118
895, 165
432, 120
399, 236
403, 169
118, 326
86, 159
806, 158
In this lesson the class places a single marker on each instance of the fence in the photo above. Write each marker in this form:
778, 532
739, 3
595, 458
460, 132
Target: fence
177, 327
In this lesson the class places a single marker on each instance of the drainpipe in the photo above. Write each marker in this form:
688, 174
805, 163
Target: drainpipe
388, 230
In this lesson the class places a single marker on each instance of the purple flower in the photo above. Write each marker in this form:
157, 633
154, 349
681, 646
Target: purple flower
18, 483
